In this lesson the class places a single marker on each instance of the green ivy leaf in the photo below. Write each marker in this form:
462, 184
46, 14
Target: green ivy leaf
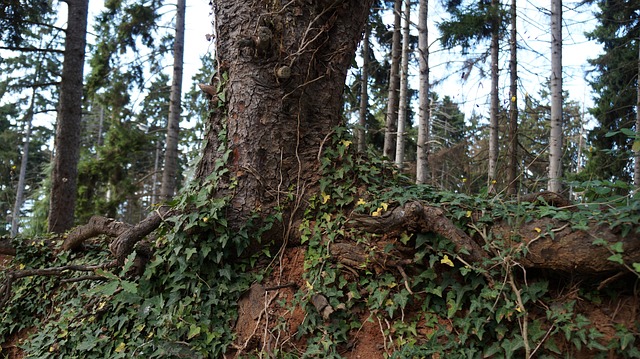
194, 330
129, 287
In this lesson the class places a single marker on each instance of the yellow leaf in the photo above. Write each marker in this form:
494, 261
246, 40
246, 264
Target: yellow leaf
377, 212
518, 309
513, 99
309, 286
537, 229
361, 202
468, 214
21, 266
446, 260
325, 198
384, 205
464, 180
120, 347
345, 143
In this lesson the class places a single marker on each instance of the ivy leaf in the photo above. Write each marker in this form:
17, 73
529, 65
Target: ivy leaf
616, 258
106, 274
129, 287
194, 330
106, 289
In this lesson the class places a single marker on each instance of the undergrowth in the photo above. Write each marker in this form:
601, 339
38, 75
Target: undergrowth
184, 304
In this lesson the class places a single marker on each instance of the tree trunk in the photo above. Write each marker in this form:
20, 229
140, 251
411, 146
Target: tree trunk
495, 103
422, 166
636, 143
282, 70
404, 84
512, 168
555, 137
170, 171
67, 142
364, 93
391, 121
15, 214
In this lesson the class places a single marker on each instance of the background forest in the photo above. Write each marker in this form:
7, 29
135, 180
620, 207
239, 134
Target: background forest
127, 90
463, 104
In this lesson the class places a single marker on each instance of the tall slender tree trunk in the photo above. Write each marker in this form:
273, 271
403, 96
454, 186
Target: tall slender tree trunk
67, 141
364, 93
495, 103
391, 121
422, 166
512, 168
170, 172
555, 137
636, 144
404, 84
15, 215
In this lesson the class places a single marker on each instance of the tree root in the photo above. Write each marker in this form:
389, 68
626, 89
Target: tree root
543, 243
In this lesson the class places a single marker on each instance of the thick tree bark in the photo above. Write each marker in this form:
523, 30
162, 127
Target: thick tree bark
495, 103
512, 168
67, 142
391, 121
282, 68
422, 165
555, 137
170, 171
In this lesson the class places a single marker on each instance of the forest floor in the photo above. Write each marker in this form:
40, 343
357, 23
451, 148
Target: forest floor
268, 320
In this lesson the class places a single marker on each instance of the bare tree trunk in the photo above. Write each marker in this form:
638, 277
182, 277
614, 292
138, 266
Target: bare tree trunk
555, 137
170, 171
364, 93
422, 166
15, 215
495, 103
512, 169
67, 142
391, 122
636, 144
404, 84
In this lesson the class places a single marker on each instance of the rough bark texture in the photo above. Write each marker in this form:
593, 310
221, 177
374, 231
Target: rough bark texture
67, 142
277, 125
170, 172
391, 120
555, 137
